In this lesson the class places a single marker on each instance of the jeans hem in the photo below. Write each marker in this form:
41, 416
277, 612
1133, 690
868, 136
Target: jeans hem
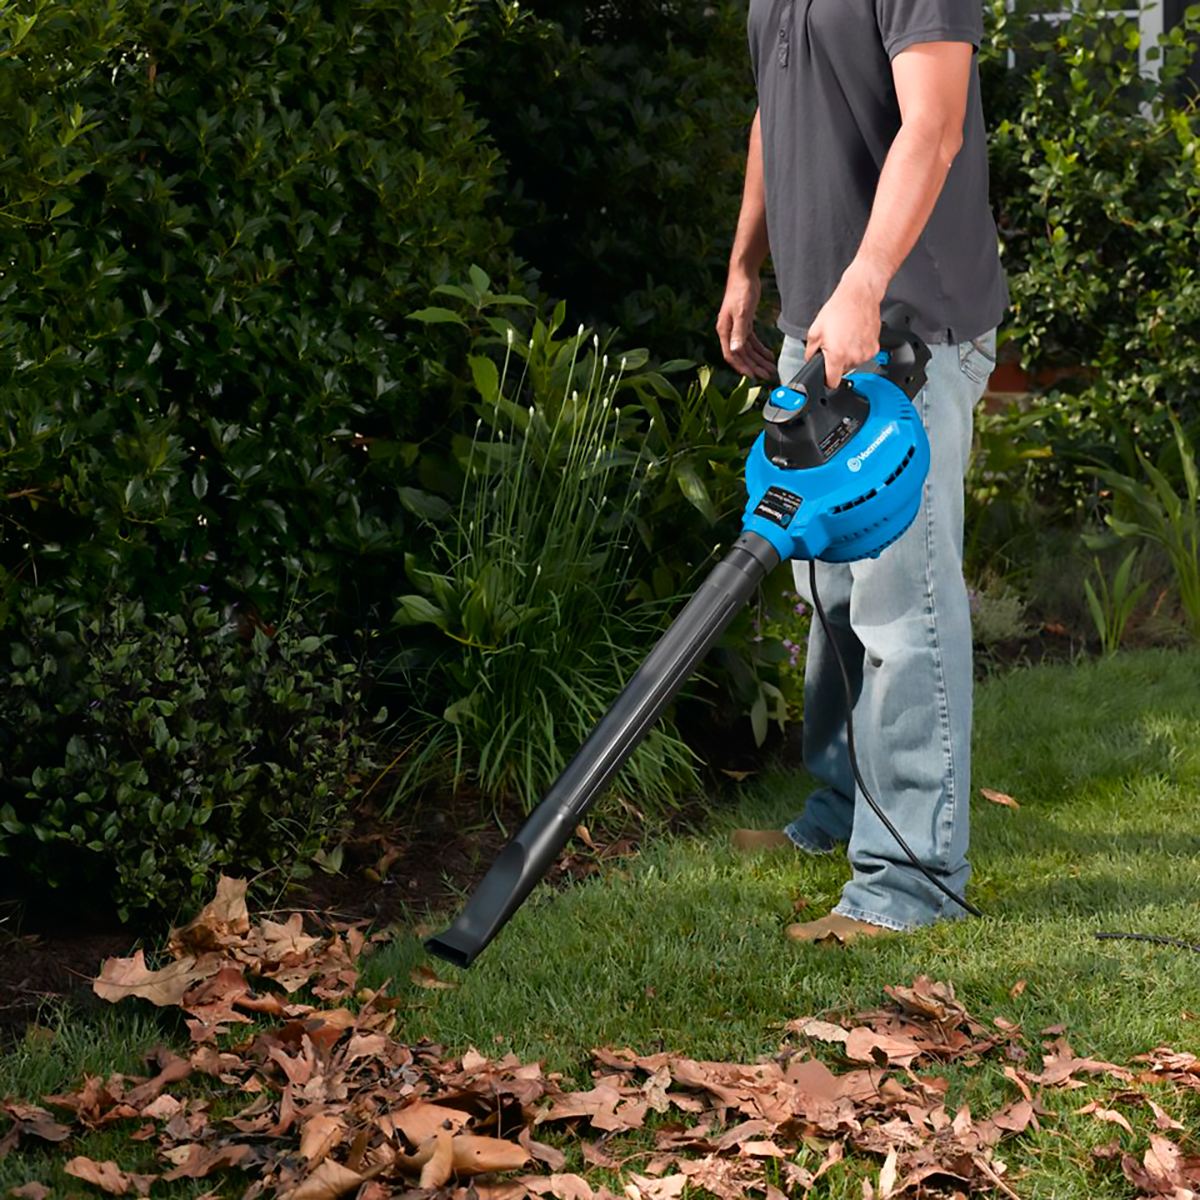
802, 843
859, 914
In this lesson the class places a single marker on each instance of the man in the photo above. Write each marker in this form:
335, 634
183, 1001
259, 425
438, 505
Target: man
866, 180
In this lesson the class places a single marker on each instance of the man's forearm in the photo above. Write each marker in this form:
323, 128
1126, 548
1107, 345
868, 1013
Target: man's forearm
735, 322
912, 179
750, 246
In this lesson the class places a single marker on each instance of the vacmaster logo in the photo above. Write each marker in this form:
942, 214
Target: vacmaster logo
855, 463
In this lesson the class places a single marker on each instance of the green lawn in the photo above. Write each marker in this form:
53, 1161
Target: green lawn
682, 948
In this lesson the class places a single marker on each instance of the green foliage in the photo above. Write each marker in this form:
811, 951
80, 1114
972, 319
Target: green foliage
591, 499
1095, 180
997, 614
779, 626
1152, 508
1111, 607
145, 755
214, 216
623, 127
1006, 500
531, 573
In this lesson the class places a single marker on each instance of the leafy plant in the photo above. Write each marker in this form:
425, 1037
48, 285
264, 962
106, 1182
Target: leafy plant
144, 755
214, 218
1152, 508
530, 577
1093, 174
780, 627
672, 495
997, 614
1112, 607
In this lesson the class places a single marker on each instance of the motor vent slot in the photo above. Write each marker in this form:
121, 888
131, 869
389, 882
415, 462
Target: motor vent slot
897, 472
841, 508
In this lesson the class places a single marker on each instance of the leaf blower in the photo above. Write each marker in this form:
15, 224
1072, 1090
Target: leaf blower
835, 475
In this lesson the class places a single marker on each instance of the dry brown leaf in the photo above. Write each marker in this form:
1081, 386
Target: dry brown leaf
865, 1045
108, 1177
203, 1160
1015, 1077
98, 1102
823, 1031
1164, 1162
888, 1174
930, 999
599, 1156
162, 1109
475, 1155
224, 921
1105, 1114
30, 1191
728, 1179
656, 1087
1061, 1065
562, 1187
642, 1187
172, 1069
1162, 1120
421, 1121
122, 977
319, 1134
599, 1104
287, 940
30, 1119
427, 977
554, 1158
1016, 989
329, 1181
439, 1165
761, 1149
998, 797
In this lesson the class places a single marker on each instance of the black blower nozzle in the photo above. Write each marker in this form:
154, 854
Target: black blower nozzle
538, 843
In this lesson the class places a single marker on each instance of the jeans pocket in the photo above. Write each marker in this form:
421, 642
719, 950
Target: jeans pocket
977, 358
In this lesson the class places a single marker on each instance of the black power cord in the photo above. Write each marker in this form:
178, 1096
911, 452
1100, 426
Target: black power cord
837, 653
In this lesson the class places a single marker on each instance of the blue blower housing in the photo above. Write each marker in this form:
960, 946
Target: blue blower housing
839, 475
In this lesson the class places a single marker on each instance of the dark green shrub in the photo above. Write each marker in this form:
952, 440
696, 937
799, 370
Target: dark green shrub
142, 756
623, 129
1095, 190
1094, 179
213, 218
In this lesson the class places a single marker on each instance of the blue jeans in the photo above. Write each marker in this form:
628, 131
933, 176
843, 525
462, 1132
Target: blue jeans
903, 625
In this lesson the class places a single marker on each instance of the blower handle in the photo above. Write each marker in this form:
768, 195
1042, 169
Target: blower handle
895, 335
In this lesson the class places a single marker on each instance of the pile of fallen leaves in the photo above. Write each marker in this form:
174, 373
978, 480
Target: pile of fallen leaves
331, 1104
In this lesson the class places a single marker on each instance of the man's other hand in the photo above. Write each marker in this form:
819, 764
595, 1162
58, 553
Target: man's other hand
735, 327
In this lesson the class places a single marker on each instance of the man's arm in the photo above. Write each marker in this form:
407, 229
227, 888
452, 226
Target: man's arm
932, 80
735, 322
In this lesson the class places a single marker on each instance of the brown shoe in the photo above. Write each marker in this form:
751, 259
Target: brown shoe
750, 841
836, 929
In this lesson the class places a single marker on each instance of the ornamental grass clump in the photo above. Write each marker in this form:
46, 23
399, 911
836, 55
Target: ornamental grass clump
529, 583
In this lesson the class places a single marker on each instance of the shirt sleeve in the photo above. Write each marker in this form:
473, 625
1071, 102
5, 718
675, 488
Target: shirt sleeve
904, 23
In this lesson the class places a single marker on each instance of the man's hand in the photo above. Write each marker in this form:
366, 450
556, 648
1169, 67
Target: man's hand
846, 329
735, 327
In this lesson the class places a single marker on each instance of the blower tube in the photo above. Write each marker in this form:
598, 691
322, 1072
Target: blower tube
538, 843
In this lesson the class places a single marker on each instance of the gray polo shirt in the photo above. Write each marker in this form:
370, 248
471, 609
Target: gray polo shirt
829, 115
